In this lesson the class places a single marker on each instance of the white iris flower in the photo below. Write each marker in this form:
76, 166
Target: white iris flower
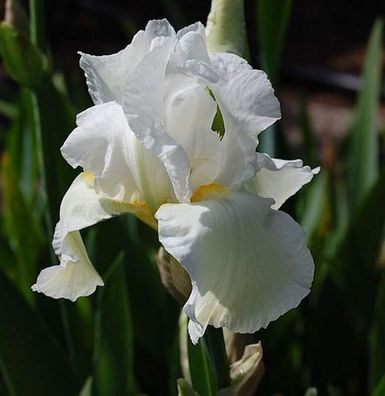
147, 147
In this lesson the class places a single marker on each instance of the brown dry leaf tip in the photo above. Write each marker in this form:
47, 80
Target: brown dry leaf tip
246, 373
236, 344
15, 15
173, 276
185, 389
381, 256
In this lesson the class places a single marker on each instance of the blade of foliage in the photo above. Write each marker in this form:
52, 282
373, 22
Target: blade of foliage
377, 340
201, 369
363, 153
312, 204
156, 313
114, 341
358, 254
37, 26
272, 20
23, 231
217, 350
21, 147
380, 388
53, 120
31, 362
23, 61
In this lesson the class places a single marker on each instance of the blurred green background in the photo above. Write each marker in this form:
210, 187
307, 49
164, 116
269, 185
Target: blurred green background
325, 60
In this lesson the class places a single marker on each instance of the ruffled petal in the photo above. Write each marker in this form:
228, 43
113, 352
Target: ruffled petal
191, 56
143, 104
125, 170
279, 179
244, 96
248, 263
75, 276
101, 145
246, 100
106, 75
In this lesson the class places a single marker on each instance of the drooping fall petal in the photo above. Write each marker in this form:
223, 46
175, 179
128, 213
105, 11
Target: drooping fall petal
75, 276
247, 262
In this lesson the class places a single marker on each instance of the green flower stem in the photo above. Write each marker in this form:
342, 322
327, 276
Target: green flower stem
36, 25
217, 350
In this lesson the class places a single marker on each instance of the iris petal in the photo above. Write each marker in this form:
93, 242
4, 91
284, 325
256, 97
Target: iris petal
75, 276
247, 262
279, 179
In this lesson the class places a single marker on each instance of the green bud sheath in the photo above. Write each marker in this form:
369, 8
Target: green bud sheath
225, 28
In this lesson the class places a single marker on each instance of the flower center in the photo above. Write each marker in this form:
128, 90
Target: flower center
209, 191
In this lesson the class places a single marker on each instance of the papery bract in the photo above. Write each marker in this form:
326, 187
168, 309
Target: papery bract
147, 147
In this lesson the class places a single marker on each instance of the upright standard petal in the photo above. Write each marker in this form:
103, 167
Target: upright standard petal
279, 179
248, 263
106, 75
75, 276
143, 104
245, 100
190, 111
248, 105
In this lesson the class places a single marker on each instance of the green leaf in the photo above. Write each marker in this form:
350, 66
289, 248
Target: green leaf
31, 363
367, 227
216, 347
312, 204
201, 368
114, 372
156, 313
380, 388
51, 118
377, 341
22, 229
363, 153
23, 61
273, 20
358, 254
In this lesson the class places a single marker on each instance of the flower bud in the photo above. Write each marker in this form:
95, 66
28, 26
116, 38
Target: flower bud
225, 28
246, 373
16, 16
23, 61
185, 389
174, 277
